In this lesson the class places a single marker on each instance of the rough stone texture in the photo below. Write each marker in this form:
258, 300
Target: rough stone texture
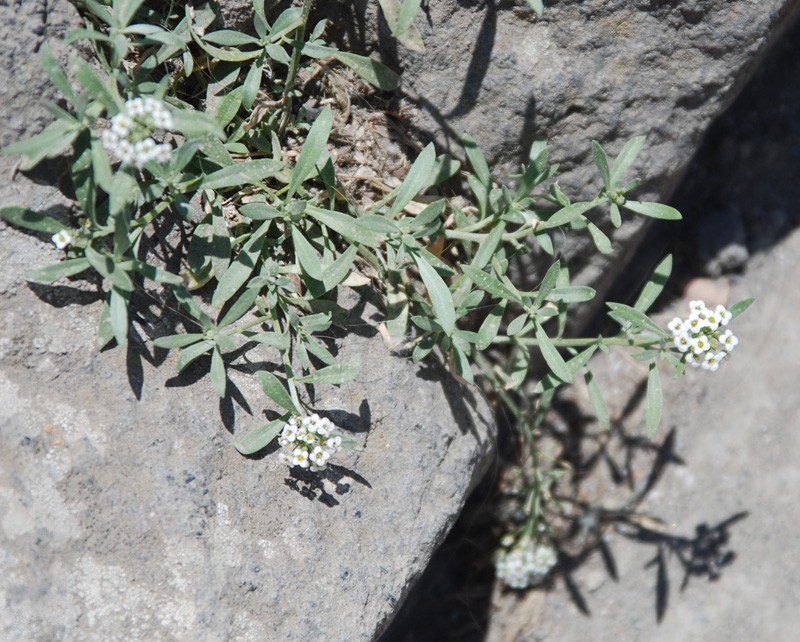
126, 513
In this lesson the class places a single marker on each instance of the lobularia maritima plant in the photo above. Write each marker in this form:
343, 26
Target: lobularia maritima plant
172, 117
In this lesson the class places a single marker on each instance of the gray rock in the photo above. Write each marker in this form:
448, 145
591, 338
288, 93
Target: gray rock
126, 513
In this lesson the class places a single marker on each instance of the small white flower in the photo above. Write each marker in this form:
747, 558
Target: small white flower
711, 361
285, 459
300, 457
723, 314
135, 107
323, 427
289, 432
62, 239
125, 152
700, 344
712, 320
693, 359
121, 125
109, 139
320, 456
151, 105
144, 150
693, 323
334, 444
162, 153
507, 540
728, 340
162, 119
698, 304
682, 341
676, 326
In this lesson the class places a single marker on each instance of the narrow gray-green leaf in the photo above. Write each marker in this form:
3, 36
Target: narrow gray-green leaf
601, 241
408, 11
36, 221
259, 438
477, 161
372, 71
737, 308
441, 298
548, 283
59, 270
625, 159
490, 284
415, 180
654, 400
177, 340
118, 315
635, 317
335, 375
275, 390
345, 225
654, 285
229, 106
192, 353
306, 255
571, 294
537, 6
242, 174
654, 210
486, 249
551, 355
240, 270
490, 326
568, 214
313, 149
601, 160
241, 307
185, 298
56, 74
411, 38
596, 398
336, 272
218, 376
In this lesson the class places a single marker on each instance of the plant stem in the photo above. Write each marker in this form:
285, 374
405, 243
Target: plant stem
579, 342
294, 66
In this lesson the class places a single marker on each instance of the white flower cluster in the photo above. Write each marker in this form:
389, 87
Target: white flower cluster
62, 239
701, 338
525, 564
311, 442
130, 136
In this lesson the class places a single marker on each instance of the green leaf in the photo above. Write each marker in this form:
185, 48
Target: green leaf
240, 270
490, 326
537, 6
157, 274
571, 294
218, 377
568, 214
252, 83
345, 225
379, 224
654, 285
622, 313
477, 161
489, 283
275, 390
337, 271
411, 38
87, 76
313, 149
124, 11
596, 398
423, 348
271, 339
118, 314
654, 210
56, 74
439, 293
462, 363
192, 353
518, 367
408, 11
737, 308
259, 438
486, 249
59, 270
415, 180
601, 161
306, 255
551, 355
242, 174
243, 304
229, 107
548, 283
654, 400
616, 217
229, 38
516, 325
288, 21
177, 340
260, 19
186, 299
600, 239
104, 330
259, 211
372, 71
335, 375
195, 124
625, 159
54, 140
30, 220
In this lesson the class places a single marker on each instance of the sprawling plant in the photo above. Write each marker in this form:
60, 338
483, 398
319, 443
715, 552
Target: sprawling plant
175, 123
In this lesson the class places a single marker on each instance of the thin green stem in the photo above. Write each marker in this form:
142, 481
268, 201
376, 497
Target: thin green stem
294, 66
